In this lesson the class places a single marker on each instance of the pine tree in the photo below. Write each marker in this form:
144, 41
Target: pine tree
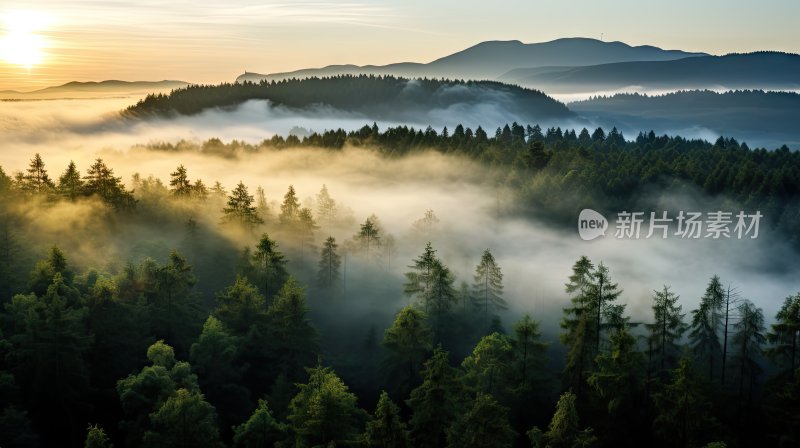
418, 280
184, 420
490, 367
617, 384
485, 425
36, 180
704, 330
436, 403
369, 238
682, 410
306, 226
329, 263
96, 438
292, 339
749, 337
290, 208
602, 292
386, 429
214, 359
530, 351
269, 266
179, 183
100, 181
240, 208
783, 336
260, 430
441, 298
488, 286
563, 430
324, 411
667, 327
240, 306
70, 184
326, 207
577, 323
408, 340
199, 190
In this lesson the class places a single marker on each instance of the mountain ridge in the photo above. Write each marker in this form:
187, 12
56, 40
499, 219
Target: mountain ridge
490, 59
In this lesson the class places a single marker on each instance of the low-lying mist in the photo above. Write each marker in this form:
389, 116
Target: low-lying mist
536, 258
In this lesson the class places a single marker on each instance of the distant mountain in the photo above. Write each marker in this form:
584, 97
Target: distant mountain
489, 60
760, 70
367, 97
108, 88
760, 118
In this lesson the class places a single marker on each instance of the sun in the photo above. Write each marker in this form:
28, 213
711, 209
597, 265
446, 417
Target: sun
21, 44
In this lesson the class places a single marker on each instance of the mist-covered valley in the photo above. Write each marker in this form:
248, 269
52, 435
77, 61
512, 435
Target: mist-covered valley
167, 219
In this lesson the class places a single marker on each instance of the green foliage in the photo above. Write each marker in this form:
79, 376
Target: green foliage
214, 360
292, 339
705, 326
269, 266
260, 430
408, 340
530, 353
487, 290
436, 403
184, 420
329, 263
489, 369
96, 438
240, 209
484, 425
563, 431
667, 328
783, 336
682, 410
144, 393
386, 429
324, 411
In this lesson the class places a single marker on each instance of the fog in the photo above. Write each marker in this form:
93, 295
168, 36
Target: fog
536, 258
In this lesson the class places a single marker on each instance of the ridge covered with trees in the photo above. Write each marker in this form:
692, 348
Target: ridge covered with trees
381, 97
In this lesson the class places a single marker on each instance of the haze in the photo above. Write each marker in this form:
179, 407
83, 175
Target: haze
207, 42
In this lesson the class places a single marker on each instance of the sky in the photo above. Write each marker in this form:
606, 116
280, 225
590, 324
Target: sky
51, 42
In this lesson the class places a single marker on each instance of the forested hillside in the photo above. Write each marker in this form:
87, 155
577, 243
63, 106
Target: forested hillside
295, 337
378, 97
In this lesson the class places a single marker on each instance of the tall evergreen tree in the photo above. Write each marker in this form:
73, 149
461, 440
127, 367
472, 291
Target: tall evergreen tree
240, 207
386, 429
179, 183
269, 266
484, 425
184, 420
260, 430
563, 430
530, 351
36, 180
436, 403
667, 327
419, 279
488, 286
783, 336
408, 340
682, 410
325, 412
490, 367
70, 184
329, 263
290, 208
577, 323
704, 329
327, 209
749, 338
368, 238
